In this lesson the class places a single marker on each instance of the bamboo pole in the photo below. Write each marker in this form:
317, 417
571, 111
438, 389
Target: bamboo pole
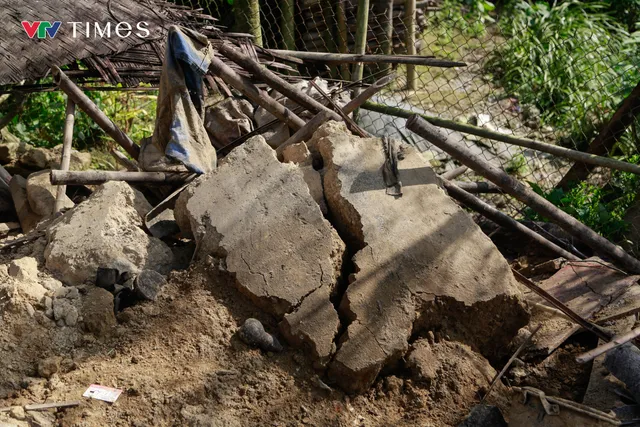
251, 91
363, 96
247, 16
383, 32
454, 173
503, 219
349, 58
410, 39
305, 132
566, 153
521, 192
100, 177
274, 81
81, 100
67, 141
362, 20
288, 24
343, 48
615, 342
478, 187
130, 165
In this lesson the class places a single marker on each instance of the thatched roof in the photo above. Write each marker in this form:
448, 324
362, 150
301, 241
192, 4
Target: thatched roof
115, 59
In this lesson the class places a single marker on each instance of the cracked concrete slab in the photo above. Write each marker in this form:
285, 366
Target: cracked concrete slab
417, 255
257, 215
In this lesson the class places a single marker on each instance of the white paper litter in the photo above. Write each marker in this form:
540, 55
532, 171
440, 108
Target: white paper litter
101, 392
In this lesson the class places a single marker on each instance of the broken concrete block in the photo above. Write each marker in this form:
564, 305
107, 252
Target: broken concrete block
314, 182
421, 262
148, 284
256, 214
25, 268
42, 194
97, 312
297, 153
104, 231
27, 217
228, 120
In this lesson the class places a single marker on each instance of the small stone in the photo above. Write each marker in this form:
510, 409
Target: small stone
97, 312
49, 366
72, 293
51, 284
24, 269
40, 419
71, 318
30, 310
106, 278
148, 284
17, 412
252, 333
297, 153
49, 313
61, 292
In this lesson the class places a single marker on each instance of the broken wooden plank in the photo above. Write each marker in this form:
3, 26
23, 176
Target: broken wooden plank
67, 140
92, 110
259, 96
100, 177
347, 58
521, 192
274, 81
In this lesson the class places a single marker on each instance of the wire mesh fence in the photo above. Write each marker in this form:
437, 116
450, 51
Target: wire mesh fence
553, 73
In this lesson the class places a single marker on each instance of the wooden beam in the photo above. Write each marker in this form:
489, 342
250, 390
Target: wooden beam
410, 40
340, 58
521, 192
65, 161
362, 21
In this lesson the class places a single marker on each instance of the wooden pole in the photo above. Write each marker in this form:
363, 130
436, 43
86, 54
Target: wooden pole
100, 177
478, 187
362, 22
65, 162
247, 16
410, 39
500, 218
81, 100
274, 81
340, 58
521, 192
363, 96
305, 132
615, 342
251, 91
343, 48
454, 173
566, 153
288, 24
604, 142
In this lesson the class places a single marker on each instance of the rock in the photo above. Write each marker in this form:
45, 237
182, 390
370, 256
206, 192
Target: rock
228, 120
531, 116
314, 182
164, 225
104, 231
42, 194
79, 161
97, 312
260, 218
41, 419
10, 151
297, 153
421, 262
27, 217
37, 158
252, 333
148, 284
49, 366
17, 412
25, 268
51, 284
484, 416
65, 311
7, 227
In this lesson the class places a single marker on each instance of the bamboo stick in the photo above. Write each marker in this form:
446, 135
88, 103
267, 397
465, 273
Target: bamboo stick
363, 96
521, 192
305, 132
251, 91
383, 32
343, 47
566, 153
615, 342
410, 40
503, 219
288, 24
247, 17
81, 100
278, 83
67, 141
454, 173
478, 187
362, 20
340, 58
100, 177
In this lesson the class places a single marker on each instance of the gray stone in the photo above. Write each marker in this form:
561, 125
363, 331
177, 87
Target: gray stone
97, 312
79, 161
25, 268
148, 284
27, 217
65, 311
49, 366
42, 194
38, 158
104, 231
252, 332
421, 262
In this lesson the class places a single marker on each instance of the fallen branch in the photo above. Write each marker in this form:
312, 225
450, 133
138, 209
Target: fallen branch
67, 140
578, 156
100, 177
81, 100
274, 81
502, 219
478, 187
259, 96
347, 58
614, 343
521, 192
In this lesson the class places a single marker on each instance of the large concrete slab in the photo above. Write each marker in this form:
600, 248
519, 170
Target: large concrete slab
257, 215
421, 262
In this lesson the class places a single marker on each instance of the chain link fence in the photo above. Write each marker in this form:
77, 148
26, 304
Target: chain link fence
553, 73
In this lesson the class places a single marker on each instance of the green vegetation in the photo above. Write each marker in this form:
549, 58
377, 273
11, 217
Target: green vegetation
41, 122
572, 60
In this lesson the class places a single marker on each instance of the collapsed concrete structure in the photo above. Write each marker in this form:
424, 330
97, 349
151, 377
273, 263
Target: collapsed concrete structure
420, 263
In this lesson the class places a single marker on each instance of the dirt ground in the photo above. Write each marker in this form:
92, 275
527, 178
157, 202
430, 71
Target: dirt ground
180, 362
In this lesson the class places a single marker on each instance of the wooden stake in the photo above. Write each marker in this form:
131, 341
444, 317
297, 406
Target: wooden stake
81, 100
288, 24
340, 58
65, 162
362, 22
503, 219
521, 192
614, 343
410, 39
251, 91
100, 177
305, 132
274, 81
343, 48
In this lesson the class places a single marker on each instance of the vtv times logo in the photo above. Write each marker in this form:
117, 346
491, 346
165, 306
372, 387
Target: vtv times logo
44, 29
